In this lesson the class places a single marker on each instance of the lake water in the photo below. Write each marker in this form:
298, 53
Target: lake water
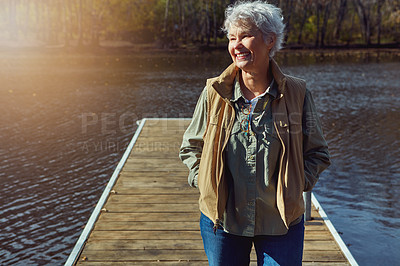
66, 119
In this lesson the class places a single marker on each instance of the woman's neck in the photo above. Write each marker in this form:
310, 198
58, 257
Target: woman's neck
254, 84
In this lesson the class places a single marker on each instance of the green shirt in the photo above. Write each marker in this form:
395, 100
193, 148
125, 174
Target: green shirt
251, 157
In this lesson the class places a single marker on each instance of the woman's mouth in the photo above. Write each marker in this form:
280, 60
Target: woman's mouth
243, 55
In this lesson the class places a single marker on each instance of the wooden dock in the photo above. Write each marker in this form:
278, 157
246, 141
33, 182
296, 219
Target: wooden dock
149, 215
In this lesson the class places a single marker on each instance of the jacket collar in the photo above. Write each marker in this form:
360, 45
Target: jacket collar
224, 83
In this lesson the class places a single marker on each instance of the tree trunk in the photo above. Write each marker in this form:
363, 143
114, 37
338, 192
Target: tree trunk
182, 27
350, 39
325, 22
47, 22
95, 25
37, 20
364, 15
208, 26
203, 28
340, 17
56, 26
303, 21
80, 26
12, 20
69, 31
65, 23
192, 25
165, 33
319, 7
166, 15
379, 19
25, 22
215, 21
289, 8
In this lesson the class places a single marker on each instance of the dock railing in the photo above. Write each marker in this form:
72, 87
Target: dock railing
307, 203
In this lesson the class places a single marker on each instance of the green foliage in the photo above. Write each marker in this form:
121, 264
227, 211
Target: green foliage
181, 22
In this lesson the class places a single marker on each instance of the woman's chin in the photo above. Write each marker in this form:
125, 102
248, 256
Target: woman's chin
242, 64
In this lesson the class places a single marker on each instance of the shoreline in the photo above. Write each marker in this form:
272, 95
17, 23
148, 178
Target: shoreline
127, 47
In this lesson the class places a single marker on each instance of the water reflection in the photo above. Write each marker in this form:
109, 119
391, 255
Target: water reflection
66, 120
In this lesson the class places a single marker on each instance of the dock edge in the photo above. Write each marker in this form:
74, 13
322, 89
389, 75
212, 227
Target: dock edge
333, 231
74, 255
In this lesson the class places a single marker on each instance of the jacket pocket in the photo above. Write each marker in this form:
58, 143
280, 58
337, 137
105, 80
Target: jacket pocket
215, 121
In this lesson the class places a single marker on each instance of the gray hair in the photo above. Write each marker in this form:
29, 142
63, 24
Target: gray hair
266, 17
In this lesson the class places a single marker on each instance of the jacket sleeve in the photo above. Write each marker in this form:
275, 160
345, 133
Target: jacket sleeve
192, 144
315, 148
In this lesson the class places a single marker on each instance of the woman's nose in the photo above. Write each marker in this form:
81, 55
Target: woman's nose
237, 44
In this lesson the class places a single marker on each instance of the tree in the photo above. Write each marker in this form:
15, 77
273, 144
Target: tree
305, 9
328, 5
80, 24
339, 18
13, 30
364, 14
319, 9
379, 22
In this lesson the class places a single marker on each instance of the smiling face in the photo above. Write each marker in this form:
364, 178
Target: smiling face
247, 48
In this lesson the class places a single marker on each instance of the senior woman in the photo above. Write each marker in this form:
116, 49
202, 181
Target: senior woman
253, 146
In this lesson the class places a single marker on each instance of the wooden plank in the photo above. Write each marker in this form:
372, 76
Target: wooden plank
129, 225
157, 164
146, 226
177, 174
320, 245
151, 216
323, 255
194, 254
143, 255
152, 207
131, 199
169, 123
325, 235
148, 151
176, 162
147, 235
180, 244
161, 141
317, 235
152, 183
125, 188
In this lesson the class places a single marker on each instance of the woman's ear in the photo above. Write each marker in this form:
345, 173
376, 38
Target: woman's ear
271, 41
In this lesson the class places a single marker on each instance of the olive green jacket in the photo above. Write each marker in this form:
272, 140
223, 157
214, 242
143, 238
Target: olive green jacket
287, 112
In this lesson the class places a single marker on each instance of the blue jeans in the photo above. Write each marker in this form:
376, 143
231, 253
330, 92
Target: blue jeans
224, 249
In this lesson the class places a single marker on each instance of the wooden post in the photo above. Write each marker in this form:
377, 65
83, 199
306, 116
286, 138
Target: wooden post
307, 203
